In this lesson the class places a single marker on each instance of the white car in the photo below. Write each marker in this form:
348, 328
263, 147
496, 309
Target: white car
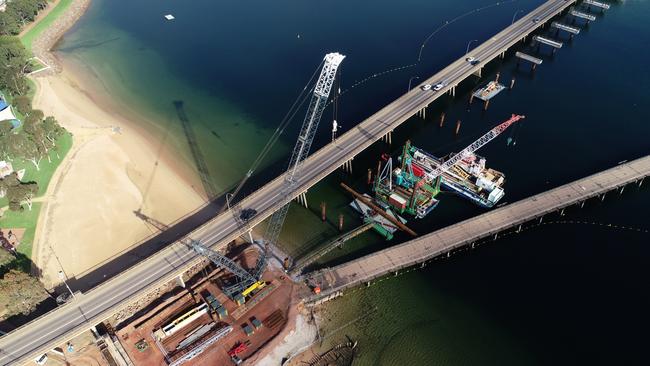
426, 87
438, 86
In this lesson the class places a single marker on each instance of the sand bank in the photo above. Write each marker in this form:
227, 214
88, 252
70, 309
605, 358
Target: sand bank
112, 170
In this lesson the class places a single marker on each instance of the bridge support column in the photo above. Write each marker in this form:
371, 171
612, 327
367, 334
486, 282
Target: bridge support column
250, 236
496, 235
519, 229
424, 264
622, 188
448, 254
603, 197
540, 219
180, 280
473, 245
503, 54
302, 199
368, 284
640, 182
396, 273
562, 212
582, 204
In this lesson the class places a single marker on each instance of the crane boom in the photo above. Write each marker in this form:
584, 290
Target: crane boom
483, 140
216, 258
301, 150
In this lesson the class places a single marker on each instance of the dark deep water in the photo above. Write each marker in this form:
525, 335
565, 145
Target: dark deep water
558, 293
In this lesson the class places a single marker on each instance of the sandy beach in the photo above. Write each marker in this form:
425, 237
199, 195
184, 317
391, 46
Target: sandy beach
113, 168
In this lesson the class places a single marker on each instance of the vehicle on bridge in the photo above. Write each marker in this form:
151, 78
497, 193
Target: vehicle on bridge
439, 86
247, 214
472, 60
426, 87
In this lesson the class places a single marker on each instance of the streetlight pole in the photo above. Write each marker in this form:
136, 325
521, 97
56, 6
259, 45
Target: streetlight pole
411, 79
62, 276
514, 15
228, 199
468, 44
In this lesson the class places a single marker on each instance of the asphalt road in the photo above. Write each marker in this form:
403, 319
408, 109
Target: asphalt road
88, 309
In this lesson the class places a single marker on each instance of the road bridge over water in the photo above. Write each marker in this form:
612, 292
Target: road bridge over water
422, 249
100, 303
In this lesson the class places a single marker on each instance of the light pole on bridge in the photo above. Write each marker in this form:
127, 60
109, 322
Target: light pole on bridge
514, 15
468, 44
411, 79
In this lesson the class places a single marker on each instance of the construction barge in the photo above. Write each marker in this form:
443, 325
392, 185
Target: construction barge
412, 187
469, 178
489, 91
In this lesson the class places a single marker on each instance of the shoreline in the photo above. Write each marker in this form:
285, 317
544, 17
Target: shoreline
114, 167
44, 42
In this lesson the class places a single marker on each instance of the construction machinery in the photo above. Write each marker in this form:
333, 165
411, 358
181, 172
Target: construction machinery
246, 282
412, 187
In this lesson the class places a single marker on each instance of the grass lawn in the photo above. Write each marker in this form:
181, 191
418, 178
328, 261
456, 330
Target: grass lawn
46, 168
31, 35
26, 220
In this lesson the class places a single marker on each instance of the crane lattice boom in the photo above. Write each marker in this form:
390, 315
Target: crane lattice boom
301, 149
483, 140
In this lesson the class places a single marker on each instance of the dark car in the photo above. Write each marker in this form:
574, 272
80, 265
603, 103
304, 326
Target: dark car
247, 214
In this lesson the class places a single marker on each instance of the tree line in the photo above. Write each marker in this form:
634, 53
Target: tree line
21, 293
18, 14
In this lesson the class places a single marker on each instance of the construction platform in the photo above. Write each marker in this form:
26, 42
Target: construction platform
596, 4
529, 58
566, 28
547, 41
489, 91
579, 14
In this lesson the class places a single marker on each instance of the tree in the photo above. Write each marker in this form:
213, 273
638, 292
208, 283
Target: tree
21, 146
20, 293
21, 193
13, 65
52, 128
5, 257
23, 104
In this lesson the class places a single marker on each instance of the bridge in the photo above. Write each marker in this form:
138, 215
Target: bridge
98, 304
419, 250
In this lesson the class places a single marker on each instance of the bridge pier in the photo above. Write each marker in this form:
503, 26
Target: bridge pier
562, 212
519, 229
180, 280
582, 204
603, 197
250, 236
302, 199
424, 264
640, 182
540, 219
442, 121
622, 188
478, 72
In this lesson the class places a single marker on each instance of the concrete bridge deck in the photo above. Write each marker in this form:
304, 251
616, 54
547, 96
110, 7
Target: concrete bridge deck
421, 249
104, 300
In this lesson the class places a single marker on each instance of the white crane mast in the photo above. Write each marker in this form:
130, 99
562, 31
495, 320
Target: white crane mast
321, 93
